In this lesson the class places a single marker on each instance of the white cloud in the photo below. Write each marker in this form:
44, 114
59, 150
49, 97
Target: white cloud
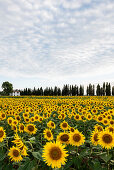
57, 39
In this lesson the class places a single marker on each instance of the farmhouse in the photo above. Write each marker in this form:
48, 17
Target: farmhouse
15, 93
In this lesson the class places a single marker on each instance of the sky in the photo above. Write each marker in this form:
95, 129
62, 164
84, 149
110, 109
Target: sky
56, 42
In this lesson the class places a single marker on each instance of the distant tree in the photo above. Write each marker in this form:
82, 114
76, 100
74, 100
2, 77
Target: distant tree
59, 91
77, 90
93, 90
81, 90
98, 90
104, 89
101, 91
7, 88
90, 90
87, 91
113, 91
108, 89
55, 91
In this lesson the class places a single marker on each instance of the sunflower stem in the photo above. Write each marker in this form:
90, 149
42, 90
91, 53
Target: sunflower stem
77, 151
30, 145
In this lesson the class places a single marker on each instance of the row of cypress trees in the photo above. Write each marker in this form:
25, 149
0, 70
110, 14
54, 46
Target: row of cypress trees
72, 90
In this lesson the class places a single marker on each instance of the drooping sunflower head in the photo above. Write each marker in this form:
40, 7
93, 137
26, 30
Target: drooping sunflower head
2, 134
54, 154
15, 154
30, 129
94, 137
76, 138
64, 125
106, 139
63, 138
21, 127
48, 134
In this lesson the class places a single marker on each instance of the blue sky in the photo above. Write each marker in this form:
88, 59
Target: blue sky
54, 42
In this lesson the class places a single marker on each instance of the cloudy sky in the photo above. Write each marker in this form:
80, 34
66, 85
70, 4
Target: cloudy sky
54, 42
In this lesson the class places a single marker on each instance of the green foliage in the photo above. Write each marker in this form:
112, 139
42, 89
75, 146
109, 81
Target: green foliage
7, 88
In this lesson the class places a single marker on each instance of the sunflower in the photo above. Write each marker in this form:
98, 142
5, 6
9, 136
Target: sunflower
64, 125
51, 124
21, 127
106, 139
105, 121
110, 128
99, 118
26, 115
59, 117
14, 128
15, 154
89, 116
98, 128
40, 119
31, 129
2, 134
36, 117
32, 119
3, 116
10, 120
76, 138
111, 122
63, 138
71, 129
77, 117
23, 150
54, 154
48, 134
94, 138
18, 118
19, 143
27, 120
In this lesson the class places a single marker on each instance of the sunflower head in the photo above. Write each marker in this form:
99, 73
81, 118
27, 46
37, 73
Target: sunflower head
48, 134
94, 137
15, 154
30, 129
2, 134
64, 125
63, 138
76, 138
106, 139
54, 154
21, 127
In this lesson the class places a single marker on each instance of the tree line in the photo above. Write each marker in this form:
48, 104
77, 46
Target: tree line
67, 90
71, 90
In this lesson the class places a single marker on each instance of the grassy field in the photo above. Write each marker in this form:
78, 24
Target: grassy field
63, 133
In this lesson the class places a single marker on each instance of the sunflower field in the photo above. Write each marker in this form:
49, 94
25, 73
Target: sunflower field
57, 132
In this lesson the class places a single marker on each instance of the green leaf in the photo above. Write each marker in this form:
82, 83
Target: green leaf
106, 157
2, 155
38, 155
27, 165
84, 153
2, 144
96, 165
68, 164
